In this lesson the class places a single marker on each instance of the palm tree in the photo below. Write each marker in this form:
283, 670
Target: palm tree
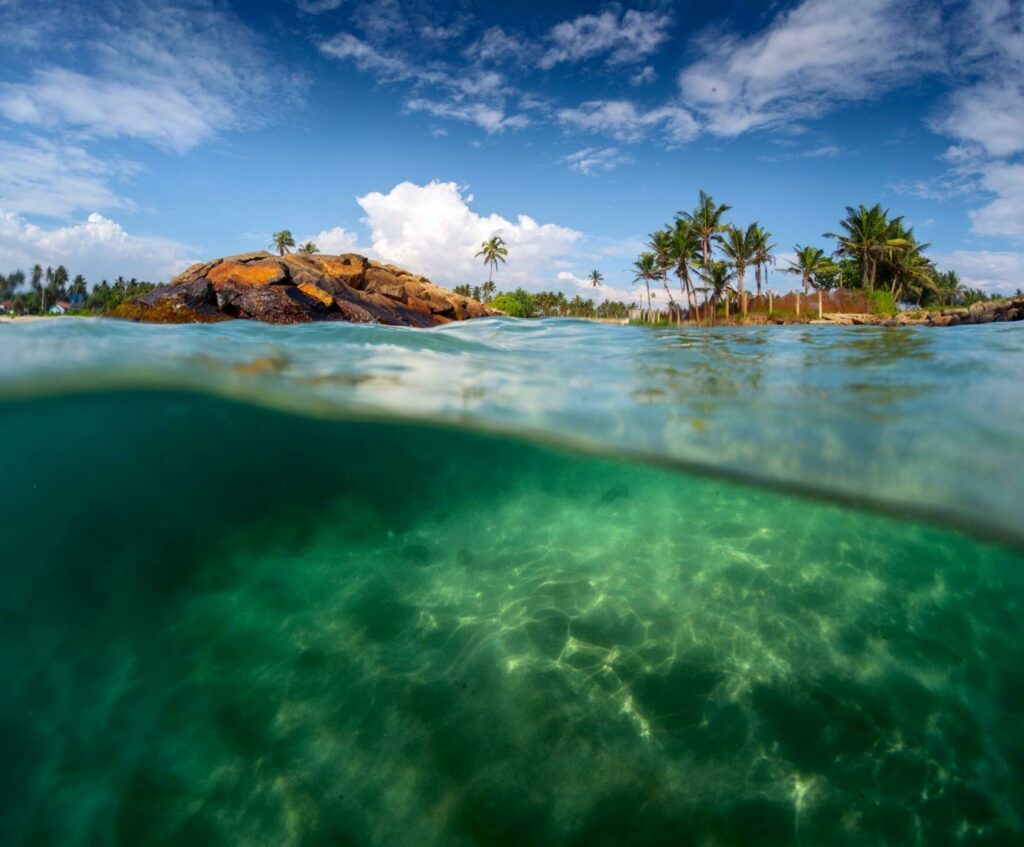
477, 293
493, 251
867, 234
716, 279
707, 223
740, 246
810, 262
309, 248
646, 268
762, 255
283, 240
685, 249
487, 291
661, 245
908, 267
596, 278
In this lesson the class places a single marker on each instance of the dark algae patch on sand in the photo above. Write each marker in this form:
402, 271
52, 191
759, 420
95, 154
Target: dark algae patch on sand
246, 626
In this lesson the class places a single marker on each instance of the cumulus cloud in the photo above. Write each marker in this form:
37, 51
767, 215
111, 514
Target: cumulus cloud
433, 229
812, 59
335, 241
626, 38
624, 121
572, 285
591, 160
96, 247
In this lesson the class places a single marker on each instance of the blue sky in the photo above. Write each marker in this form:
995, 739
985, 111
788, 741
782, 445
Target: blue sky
138, 136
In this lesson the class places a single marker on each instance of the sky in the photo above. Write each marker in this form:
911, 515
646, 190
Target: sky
137, 136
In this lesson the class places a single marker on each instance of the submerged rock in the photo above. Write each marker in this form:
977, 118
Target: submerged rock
300, 289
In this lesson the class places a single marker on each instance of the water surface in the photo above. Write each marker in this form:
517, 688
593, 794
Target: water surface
329, 585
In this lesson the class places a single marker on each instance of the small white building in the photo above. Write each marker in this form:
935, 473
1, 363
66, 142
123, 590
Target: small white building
58, 309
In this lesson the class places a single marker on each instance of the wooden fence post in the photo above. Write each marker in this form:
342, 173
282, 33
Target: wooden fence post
727, 306
770, 309
819, 304
743, 303
798, 304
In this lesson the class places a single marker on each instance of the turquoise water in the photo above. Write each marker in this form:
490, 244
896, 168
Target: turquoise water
511, 583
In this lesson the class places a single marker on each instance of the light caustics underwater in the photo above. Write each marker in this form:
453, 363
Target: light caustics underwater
511, 583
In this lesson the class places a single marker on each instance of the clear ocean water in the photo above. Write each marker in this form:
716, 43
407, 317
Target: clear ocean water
502, 582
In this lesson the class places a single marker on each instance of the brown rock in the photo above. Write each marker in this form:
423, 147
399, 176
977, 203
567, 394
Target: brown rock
258, 273
316, 293
297, 288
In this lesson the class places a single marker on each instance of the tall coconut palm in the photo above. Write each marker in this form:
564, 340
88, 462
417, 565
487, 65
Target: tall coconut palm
810, 262
646, 269
716, 280
740, 247
308, 248
283, 240
909, 269
596, 278
685, 250
661, 246
707, 223
492, 252
763, 255
867, 234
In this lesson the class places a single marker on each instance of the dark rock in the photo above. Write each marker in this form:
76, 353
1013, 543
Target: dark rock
299, 288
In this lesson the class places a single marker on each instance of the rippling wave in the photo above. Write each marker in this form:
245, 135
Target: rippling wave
911, 420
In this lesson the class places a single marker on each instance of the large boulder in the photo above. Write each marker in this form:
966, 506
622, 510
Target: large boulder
299, 288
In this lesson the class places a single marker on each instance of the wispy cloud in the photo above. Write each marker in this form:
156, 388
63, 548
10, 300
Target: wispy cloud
624, 121
169, 75
810, 60
591, 160
626, 38
42, 177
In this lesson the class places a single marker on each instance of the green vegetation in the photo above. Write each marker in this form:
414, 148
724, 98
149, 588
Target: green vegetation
308, 248
282, 240
875, 253
493, 252
39, 291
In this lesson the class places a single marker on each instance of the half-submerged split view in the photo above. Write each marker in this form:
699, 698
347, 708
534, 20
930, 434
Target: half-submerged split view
451, 424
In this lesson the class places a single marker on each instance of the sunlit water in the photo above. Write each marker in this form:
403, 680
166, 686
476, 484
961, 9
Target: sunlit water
357, 585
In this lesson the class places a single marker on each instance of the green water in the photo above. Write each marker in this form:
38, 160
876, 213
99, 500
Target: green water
221, 624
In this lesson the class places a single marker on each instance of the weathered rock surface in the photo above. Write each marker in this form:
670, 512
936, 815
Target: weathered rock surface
302, 288
1011, 309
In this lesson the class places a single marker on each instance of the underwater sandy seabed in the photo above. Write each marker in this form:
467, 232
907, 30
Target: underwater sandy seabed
223, 625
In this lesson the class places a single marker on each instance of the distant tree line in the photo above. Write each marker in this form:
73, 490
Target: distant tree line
38, 291
711, 257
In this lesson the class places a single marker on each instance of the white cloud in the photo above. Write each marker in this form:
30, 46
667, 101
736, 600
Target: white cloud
811, 59
335, 241
172, 76
367, 58
985, 115
624, 121
96, 247
989, 114
496, 45
990, 270
645, 76
45, 178
628, 38
591, 160
317, 7
490, 118
1003, 216
586, 289
431, 229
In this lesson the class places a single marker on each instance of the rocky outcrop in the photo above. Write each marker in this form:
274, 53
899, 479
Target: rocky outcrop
302, 288
994, 311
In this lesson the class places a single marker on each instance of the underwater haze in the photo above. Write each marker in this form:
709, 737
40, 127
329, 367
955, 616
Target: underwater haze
544, 582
